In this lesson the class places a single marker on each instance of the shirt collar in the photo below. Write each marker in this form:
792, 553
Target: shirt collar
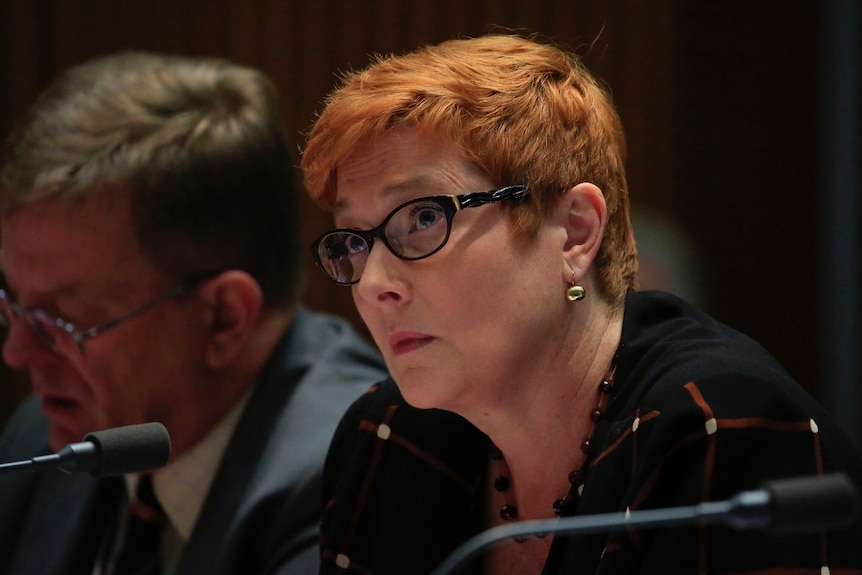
182, 486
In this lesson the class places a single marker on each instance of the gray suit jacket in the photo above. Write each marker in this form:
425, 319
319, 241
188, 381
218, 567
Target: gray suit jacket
261, 514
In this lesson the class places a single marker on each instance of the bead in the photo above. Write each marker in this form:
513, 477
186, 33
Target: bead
508, 512
558, 506
502, 483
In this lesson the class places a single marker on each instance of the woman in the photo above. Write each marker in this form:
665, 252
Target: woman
530, 379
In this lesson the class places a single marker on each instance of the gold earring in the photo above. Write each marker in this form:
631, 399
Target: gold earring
575, 292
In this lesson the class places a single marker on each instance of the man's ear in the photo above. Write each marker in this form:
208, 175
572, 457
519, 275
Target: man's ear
234, 302
584, 220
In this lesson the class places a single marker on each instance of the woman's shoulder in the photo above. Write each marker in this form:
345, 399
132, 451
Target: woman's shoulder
667, 344
386, 459
383, 410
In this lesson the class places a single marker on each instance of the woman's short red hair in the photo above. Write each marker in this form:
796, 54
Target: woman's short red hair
524, 112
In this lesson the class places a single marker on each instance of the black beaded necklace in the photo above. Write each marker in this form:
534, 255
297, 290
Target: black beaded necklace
502, 482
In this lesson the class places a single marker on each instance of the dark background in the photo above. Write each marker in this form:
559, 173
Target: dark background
723, 103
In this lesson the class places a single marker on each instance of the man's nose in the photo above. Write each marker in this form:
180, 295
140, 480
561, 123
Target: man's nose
21, 344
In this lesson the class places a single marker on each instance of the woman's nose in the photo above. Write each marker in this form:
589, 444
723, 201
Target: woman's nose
381, 282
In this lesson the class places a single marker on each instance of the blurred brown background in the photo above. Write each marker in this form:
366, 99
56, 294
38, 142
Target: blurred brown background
722, 101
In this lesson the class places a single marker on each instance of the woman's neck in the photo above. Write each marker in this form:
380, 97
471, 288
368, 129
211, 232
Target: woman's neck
539, 431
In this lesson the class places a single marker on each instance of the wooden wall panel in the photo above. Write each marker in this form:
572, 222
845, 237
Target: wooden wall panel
641, 49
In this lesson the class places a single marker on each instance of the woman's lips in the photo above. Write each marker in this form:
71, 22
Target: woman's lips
405, 342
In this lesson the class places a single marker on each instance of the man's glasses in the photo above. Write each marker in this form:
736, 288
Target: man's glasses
412, 231
62, 337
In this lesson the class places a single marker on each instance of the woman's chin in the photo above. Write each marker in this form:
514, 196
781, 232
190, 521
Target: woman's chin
436, 398
425, 394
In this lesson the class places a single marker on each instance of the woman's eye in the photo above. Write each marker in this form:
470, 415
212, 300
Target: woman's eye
355, 244
424, 217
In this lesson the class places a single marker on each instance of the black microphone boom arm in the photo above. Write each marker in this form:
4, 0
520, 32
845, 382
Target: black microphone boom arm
114, 451
781, 507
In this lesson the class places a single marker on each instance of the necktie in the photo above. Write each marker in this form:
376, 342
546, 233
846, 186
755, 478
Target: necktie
139, 553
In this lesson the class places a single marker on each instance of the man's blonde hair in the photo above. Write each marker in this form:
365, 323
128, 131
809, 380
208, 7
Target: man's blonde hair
197, 144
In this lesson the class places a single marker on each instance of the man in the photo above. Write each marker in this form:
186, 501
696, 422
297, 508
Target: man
149, 246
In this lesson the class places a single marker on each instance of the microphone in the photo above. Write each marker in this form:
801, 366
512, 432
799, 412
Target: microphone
794, 506
114, 451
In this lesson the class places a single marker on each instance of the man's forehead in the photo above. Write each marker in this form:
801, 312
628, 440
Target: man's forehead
51, 247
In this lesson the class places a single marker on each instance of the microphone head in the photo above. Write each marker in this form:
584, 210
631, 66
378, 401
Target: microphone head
130, 449
811, 504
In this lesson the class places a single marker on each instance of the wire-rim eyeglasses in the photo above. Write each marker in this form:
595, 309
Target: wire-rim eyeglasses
62, 337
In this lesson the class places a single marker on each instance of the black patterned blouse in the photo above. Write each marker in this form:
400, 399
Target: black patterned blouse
698, 412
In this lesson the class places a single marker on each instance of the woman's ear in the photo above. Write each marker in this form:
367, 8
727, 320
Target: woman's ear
234, 302
584, 220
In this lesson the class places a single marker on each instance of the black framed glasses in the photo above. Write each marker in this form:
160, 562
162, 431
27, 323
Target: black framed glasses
65, 339
412, 231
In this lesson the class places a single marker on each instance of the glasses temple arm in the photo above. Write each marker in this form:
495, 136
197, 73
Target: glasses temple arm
481, 198
80, 337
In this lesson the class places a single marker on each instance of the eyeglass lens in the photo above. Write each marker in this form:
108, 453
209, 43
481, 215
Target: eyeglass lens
413, 231
47, 329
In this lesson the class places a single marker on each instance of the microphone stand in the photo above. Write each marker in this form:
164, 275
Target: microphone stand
823, 502
114, 451
74, 457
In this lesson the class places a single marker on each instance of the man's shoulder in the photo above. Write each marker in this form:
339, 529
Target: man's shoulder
26, 433
35, 503
269, 478
330, 345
